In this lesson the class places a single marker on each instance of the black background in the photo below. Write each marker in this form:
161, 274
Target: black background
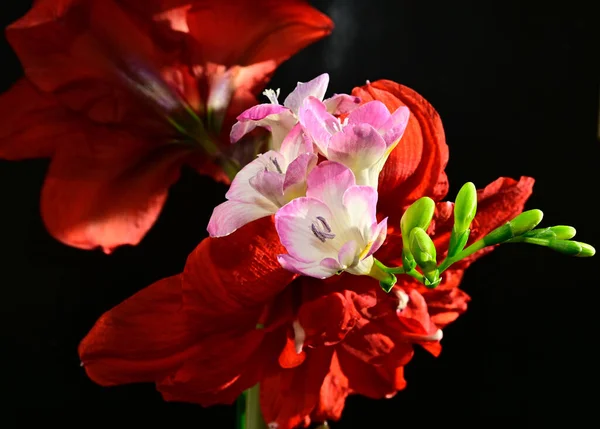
516, 85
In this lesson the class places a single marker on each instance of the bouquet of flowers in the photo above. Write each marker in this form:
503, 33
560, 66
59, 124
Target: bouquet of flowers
335, 250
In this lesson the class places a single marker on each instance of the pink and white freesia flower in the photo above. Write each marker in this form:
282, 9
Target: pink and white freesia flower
264, 185
362, 142
280, 119
333, 228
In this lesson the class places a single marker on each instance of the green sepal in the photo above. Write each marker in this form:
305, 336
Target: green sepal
388, 283
457, 242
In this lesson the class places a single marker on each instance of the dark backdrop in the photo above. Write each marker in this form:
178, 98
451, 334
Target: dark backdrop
516, 85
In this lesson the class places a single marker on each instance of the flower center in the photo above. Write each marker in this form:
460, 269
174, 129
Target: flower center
321, 229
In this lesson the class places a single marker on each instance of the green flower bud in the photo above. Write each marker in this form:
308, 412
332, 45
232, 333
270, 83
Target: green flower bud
560, 232
422, 247
572, 248
418, 215
526, 221
424, 252
465, 207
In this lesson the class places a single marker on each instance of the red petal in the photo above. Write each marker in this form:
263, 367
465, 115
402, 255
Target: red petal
499, 202
445, 305
334, 392
288, 396
372, 344
106, 188
32, 124
66, 47
225, 278
289, 357
416, 166
369, 380
224, 365
327, 319
142, 339
248, 32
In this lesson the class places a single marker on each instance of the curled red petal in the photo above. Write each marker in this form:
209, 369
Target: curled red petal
445, 304
106, 188
327, 319
370, 380
142, 339
499, 202
416, 166
288, 396
333, 394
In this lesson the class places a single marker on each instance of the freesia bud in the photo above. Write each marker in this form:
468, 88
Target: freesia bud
465, 207
523, 223
571, 248
558, 232
424, 253
418, 215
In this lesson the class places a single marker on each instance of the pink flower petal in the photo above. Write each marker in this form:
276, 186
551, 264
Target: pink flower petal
270, 185
311, 269
373, 113
328, 181
394, 127
360, 203
380, 234
317, 123
277, 119
297, 174
231, 215
314, 88
240, 188
294, 225
348, 253
358, 147
295, 143
341, 103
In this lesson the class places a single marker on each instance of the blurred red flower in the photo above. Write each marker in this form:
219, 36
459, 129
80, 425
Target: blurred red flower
121, 93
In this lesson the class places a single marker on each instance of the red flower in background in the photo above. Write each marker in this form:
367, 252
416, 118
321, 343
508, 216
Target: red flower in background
235, 317
121, 93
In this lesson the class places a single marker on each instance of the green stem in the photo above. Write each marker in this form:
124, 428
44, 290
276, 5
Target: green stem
400, 270
240, 411
478, 245
254, 419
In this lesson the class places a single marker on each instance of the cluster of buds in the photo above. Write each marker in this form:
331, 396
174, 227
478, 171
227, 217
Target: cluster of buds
419, 254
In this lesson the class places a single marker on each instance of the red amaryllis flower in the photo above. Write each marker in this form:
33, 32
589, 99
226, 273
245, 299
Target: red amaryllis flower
234, 317
121, 93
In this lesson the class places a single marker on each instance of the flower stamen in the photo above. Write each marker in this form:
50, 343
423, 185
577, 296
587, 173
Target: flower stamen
321, 234
276, 164
299, 336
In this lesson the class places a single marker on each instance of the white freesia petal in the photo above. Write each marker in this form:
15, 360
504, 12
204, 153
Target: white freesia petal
231, 215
